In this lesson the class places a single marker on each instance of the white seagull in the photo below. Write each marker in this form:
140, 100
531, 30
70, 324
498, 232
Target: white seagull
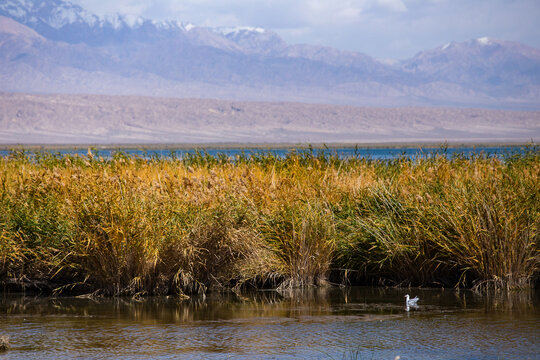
411, 302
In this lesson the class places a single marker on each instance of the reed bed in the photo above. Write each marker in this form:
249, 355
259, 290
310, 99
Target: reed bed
132, 226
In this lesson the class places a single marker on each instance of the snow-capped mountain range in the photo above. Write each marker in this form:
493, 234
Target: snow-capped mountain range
64, 21
52, 46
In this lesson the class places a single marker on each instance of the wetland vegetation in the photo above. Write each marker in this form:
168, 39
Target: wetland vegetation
127, 225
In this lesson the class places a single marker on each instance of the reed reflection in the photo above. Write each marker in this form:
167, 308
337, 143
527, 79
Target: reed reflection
371, 322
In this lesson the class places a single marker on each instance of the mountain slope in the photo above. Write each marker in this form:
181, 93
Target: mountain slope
64, 21
27, 118
482, 64
55, 46
61, 20
10, 27
176, 60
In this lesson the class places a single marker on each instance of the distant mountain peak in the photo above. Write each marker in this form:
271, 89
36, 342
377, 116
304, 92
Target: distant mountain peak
56, 13
65, 21
455, 45
479, 44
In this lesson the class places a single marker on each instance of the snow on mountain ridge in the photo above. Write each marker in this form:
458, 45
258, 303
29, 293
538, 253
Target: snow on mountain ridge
59, 13
240, 29
13, 11
483, 40
64, 15
68, 22
170, 24
55, 13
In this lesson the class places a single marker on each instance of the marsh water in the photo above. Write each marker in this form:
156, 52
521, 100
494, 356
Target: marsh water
374, 153
334, 323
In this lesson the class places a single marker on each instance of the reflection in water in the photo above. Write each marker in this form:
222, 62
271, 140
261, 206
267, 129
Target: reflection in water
313, 323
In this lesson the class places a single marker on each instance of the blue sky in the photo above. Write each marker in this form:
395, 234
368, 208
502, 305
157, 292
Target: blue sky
385, 29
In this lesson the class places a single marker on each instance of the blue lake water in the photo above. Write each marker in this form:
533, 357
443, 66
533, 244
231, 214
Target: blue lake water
345, 152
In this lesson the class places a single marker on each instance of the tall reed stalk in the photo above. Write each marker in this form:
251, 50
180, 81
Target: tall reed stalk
127, 225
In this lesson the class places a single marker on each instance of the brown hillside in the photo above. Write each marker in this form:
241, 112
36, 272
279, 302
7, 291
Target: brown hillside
68, 119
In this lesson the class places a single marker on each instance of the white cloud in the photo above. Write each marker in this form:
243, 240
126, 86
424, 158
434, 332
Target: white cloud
315, 12
394, 5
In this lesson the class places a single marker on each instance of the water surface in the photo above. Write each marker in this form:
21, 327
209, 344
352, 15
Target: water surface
382, 153
350, 323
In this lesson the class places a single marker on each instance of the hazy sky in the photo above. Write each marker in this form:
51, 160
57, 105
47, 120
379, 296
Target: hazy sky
385, 29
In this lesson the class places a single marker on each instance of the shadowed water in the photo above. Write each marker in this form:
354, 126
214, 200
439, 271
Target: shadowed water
352, 323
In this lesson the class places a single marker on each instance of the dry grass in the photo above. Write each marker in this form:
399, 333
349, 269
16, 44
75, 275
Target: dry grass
125, 225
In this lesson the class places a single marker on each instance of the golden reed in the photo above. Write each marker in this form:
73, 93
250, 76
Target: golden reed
127, 225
